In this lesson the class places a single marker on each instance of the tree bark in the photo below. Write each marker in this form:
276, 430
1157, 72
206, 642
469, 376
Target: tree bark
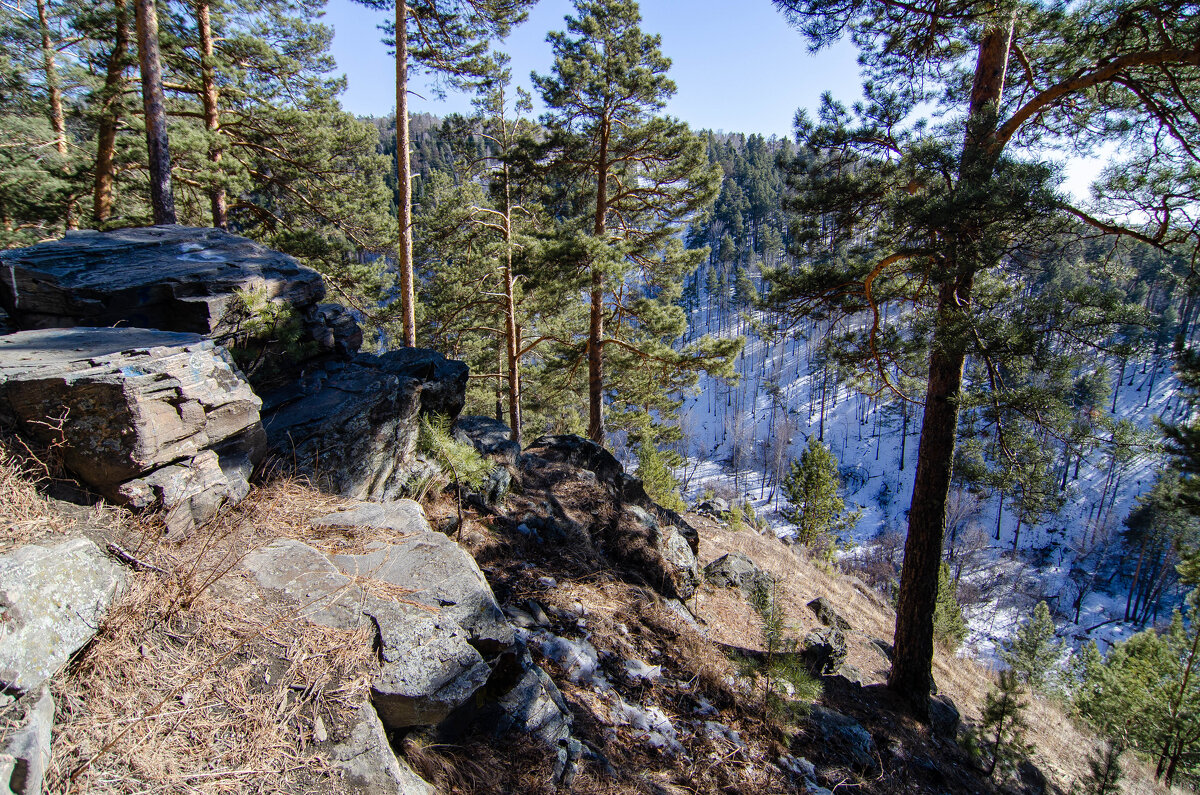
162, 202
212, 112
110, 118
512, 332
911, 672
404, 246
595, 348
58, 121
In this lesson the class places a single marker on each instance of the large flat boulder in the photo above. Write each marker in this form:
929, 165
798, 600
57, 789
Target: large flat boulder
147, 418
429, 634
172, 278
51, 602
351, 427
436, 571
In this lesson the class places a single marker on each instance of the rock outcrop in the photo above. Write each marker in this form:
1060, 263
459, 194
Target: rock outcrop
147, 418
369, 765
51, 602
172, 278
655, 541
352, 426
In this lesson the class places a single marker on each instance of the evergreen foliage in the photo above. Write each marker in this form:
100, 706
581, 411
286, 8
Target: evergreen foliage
459, 460
949, 626
1003, 726
813, 488
896, 219
1104, 772
1033, 652
630, 176
1147, 692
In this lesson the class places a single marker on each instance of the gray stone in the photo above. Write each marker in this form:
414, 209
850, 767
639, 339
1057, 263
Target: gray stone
826, 614
582, 454
884, 648
714, 506
851, 675
25, 750
846, 735
536, 706
428, 666
441, 574
351, 427
172, 278
944, 717
734, 570
51, 602
405, 517
824, 650
368, 764
333, 328
133, 402
490, 437
673, 567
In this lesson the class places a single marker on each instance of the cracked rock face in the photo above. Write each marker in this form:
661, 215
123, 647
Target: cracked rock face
352, 426
368, 763
51, 602
147, 418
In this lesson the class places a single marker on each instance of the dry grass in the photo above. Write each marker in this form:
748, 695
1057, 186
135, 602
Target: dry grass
181, 690
25, 513
208, 698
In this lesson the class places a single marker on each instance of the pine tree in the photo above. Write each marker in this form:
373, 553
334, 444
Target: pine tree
949, 627
1104, 772
450, 39
639, 176
813, 488
943, 207
1003, 725
1032, 653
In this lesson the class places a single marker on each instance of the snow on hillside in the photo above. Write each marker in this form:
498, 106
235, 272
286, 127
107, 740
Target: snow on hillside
732, 434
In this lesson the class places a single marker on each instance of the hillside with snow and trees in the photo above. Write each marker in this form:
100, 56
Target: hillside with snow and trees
583, 448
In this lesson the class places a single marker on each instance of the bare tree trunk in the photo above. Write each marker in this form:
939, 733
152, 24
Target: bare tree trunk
58, 120
911, 672
512, 332
212, 112
404, 244
110, 118
595, 348
162, 202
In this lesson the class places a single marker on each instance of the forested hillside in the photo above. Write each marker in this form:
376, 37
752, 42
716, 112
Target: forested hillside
893, 339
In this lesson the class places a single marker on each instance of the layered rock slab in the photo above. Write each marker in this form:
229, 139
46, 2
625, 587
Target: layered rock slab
172, 278
147, 418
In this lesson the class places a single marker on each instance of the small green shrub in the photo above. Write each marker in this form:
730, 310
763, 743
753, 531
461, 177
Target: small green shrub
459, 461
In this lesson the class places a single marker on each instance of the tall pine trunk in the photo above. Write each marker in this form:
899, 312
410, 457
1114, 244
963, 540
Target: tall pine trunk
512, 332
910, 676
162, 202
595, 347
212, 112
58, 119
404, 244
110, 118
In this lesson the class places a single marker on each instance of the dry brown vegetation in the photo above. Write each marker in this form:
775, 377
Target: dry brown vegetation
184, 690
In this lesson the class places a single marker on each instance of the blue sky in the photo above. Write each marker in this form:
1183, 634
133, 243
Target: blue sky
737, 64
